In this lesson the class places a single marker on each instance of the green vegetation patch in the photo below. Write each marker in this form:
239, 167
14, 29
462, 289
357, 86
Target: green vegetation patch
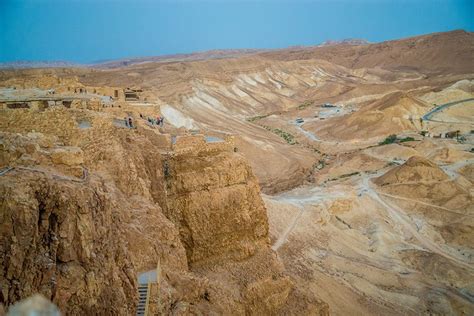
347, 175
289, 138
394, 139
256, 118
389, 140
305, 105
406, 139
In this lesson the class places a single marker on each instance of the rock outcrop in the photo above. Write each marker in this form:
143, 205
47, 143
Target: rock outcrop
64, 240
85, 211
214, 201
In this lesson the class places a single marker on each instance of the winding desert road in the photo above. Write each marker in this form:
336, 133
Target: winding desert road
427, 116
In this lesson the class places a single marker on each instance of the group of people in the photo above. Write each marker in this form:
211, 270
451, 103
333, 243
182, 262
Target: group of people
154, 121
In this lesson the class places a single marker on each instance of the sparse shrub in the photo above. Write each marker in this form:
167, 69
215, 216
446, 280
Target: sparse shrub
256, 118
389, 140
406, 139
349, 175
393, 139
320, 164
289, 138
305, 105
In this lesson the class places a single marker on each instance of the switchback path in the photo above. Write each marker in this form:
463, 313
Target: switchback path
424, 203
281, 240
313, 197
399, 216
451, 169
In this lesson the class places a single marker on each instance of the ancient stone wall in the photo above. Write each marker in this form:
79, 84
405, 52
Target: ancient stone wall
198, 143
188, 143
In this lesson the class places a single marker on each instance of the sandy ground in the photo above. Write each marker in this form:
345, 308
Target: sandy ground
362, 248
370, 250
400, 249
349, 241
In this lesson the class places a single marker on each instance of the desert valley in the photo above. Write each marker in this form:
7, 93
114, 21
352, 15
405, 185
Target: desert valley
332, 179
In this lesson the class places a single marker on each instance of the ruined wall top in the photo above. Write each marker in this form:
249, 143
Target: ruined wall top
199, 143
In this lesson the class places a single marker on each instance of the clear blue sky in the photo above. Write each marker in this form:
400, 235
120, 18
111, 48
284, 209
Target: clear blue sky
91, 30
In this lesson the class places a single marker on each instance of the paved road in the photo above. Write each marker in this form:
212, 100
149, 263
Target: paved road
427, 116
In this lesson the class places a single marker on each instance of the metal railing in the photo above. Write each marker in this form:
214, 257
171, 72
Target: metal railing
147, 302
148, 292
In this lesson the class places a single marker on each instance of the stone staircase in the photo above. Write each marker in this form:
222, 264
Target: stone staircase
142, 299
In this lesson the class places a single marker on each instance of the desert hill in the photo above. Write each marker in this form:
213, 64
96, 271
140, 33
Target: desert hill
416, 169
393, 113
271, 187
421, 179
211, 54
434, 53
347, 41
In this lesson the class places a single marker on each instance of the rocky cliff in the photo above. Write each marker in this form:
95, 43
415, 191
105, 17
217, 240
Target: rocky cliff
84, 211
214, 201
66, 241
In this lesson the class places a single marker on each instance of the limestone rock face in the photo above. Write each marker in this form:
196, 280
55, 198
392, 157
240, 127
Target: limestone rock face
63, 240
69, 156
82, 243
265, 295
82, 240
214, 201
